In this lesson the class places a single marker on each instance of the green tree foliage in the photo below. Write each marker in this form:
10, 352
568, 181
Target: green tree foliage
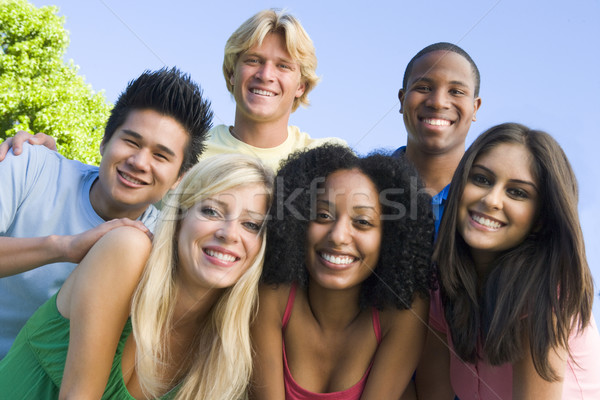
39, 91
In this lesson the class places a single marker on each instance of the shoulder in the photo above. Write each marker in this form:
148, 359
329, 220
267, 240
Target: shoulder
274, 298
393, 319
303, 139
217, 133
125, 244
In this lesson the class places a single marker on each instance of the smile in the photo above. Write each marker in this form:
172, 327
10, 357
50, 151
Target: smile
221, 256
261, 92
338, 260
130, 178
437, 121
488, 223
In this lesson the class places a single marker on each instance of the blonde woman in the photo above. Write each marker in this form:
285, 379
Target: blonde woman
188, 298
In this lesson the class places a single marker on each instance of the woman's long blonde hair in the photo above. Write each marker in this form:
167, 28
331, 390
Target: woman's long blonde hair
221, 354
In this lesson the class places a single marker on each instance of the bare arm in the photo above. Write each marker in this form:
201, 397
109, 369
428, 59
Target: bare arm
399, 352
267, 379
528, 384
16, 142
23, 254
97, 299
433, 373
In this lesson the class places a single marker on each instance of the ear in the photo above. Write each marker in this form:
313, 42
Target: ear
102, 144
177, 182
401, 98
476, 105
231, 79
301, 89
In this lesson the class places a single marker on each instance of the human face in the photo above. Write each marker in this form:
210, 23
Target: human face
438, 103
343, 240
266, 80
499, 204
140, 163
220, 237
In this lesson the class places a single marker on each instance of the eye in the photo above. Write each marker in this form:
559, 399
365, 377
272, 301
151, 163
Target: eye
161, 156
210, 212
423, 88
457, 92
252, 60
323, 216
252, 226
131, 142
285, 66
518, 193
363, 223
480, 180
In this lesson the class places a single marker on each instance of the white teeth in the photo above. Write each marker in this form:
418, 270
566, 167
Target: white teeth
220, 256
130, 179
486, 222
262, 92
437, 122
342, 260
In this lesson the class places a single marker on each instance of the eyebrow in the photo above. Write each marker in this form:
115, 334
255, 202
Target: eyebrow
254, 214
510, 180
358, 207
162, 147
429, 80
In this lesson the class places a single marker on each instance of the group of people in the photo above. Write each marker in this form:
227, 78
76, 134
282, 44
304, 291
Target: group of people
287, 267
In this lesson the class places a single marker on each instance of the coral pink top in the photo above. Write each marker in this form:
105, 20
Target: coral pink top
293, 391
484, 381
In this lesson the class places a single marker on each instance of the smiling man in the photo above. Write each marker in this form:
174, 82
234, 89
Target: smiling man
269, 68
439, 99
52, 210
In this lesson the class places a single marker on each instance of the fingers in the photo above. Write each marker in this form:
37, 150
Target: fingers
41, 139
4, 147
16, 142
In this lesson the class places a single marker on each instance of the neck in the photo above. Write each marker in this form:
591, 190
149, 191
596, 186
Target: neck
436, 170
335, 309
259, 133
108, 210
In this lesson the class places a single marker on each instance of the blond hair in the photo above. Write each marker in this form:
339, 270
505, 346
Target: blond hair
221, 355
252, 33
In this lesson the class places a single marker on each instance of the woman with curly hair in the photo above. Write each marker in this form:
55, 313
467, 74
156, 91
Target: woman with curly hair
515, 298
168, 319
344, 300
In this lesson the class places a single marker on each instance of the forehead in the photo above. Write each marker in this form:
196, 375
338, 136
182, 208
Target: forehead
512, 160
273, 44
156, 128
443, 64
351, 186
252, 197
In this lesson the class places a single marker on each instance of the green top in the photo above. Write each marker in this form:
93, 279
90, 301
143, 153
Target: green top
33, 368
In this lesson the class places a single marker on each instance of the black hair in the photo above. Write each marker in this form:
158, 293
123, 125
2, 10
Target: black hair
445, 46
404, 268
172, 93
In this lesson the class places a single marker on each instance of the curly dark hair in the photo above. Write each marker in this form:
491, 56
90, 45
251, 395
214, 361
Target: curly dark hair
404, 268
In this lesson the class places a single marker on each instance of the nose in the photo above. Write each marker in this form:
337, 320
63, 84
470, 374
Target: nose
140, 160
493, 198
340, 233
228, 231
437, 99
266, 71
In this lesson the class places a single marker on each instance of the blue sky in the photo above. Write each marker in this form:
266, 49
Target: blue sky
538, 60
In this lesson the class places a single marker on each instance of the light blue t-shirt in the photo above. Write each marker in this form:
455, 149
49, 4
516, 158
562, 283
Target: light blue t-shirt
42, 193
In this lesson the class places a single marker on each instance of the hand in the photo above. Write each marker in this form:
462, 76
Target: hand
16, 142
77, 246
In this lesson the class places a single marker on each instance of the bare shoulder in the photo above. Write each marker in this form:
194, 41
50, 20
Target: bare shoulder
393, 319
273, 298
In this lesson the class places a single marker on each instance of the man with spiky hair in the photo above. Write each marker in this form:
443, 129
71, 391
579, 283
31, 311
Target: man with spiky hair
54, 209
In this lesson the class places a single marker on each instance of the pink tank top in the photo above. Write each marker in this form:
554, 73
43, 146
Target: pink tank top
293, 391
